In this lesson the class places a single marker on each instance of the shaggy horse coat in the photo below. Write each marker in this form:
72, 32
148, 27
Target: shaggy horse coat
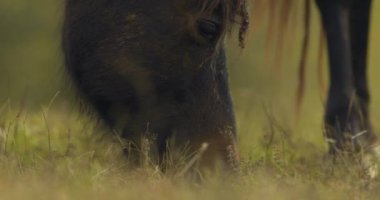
157, 69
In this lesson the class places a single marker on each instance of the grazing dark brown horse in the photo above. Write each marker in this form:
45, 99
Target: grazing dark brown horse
157, 69
346, 25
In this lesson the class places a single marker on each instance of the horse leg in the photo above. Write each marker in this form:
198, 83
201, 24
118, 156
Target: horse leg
359, 30
341, 100
359, 26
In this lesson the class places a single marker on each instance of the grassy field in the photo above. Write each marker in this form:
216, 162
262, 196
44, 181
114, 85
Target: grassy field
49, 151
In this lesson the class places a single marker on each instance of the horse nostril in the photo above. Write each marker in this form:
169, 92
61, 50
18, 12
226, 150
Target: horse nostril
208, 29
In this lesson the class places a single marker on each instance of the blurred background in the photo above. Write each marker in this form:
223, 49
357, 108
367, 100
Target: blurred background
263, 87
30, 57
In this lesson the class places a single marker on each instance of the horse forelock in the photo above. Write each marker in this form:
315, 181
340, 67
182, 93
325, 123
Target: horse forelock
234, 12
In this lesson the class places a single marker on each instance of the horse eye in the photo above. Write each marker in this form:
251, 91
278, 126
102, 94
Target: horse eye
208, 29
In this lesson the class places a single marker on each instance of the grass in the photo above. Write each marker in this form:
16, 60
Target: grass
55, 153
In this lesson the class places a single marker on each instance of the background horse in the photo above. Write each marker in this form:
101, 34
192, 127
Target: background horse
346, 25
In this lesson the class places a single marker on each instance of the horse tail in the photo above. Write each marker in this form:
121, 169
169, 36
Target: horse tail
280, 16
304, 55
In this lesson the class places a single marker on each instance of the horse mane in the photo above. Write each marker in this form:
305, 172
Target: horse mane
280, 17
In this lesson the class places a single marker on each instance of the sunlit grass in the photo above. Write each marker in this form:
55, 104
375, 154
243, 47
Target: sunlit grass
55, 153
